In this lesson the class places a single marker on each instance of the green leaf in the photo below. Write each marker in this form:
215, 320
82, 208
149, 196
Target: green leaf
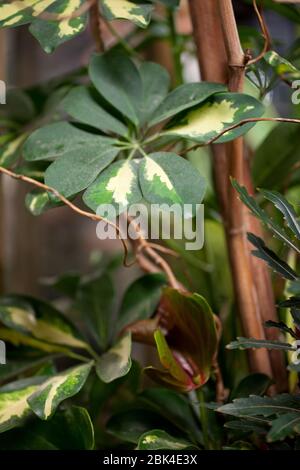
118, 185
280, 326
95, 303
285, 408
16, 366
60, 139
276, 156
285, 208
138, 13
168, 3
51, 393
291, 302
116, 362
19, 107
262, 406
184, 97
17, 13
173, 406
247, 426
14, 408
118, 80
17, 339
81, 105
281, 66
40, 320
285, 426
252, 343
38, 202
215, 115
10, 152
160, 440
163, 178
51, 34
155, 83
289, 11
74, 172
141, 299
69, 429
258, 212
296, 316
264, 253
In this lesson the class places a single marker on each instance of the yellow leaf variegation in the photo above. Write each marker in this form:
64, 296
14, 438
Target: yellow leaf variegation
163, 177
127, 10
116, 362
20, 339
48, 325
9, 152
14, 408
51, 393
215, 115
61, 24
118, 185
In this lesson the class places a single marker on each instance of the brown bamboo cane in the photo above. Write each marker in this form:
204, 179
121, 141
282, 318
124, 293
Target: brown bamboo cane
221, 59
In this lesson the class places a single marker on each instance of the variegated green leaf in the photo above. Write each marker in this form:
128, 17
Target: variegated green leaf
161, 440
138, 13
45, 400
49, 31
81, 105
67, 24
116, 362
20, 339
141, 299
14, 408
40, 320
163, 177
215, 115
20, 12
60, 139
281, 66
74, 172
10, 151
37, 202
185, 97
118, 185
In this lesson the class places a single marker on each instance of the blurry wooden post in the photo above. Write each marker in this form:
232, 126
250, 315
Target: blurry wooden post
2, 222
20, 234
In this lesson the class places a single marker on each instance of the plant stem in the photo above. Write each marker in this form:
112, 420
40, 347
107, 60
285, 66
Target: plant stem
203, 418
175, 47
96, 27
